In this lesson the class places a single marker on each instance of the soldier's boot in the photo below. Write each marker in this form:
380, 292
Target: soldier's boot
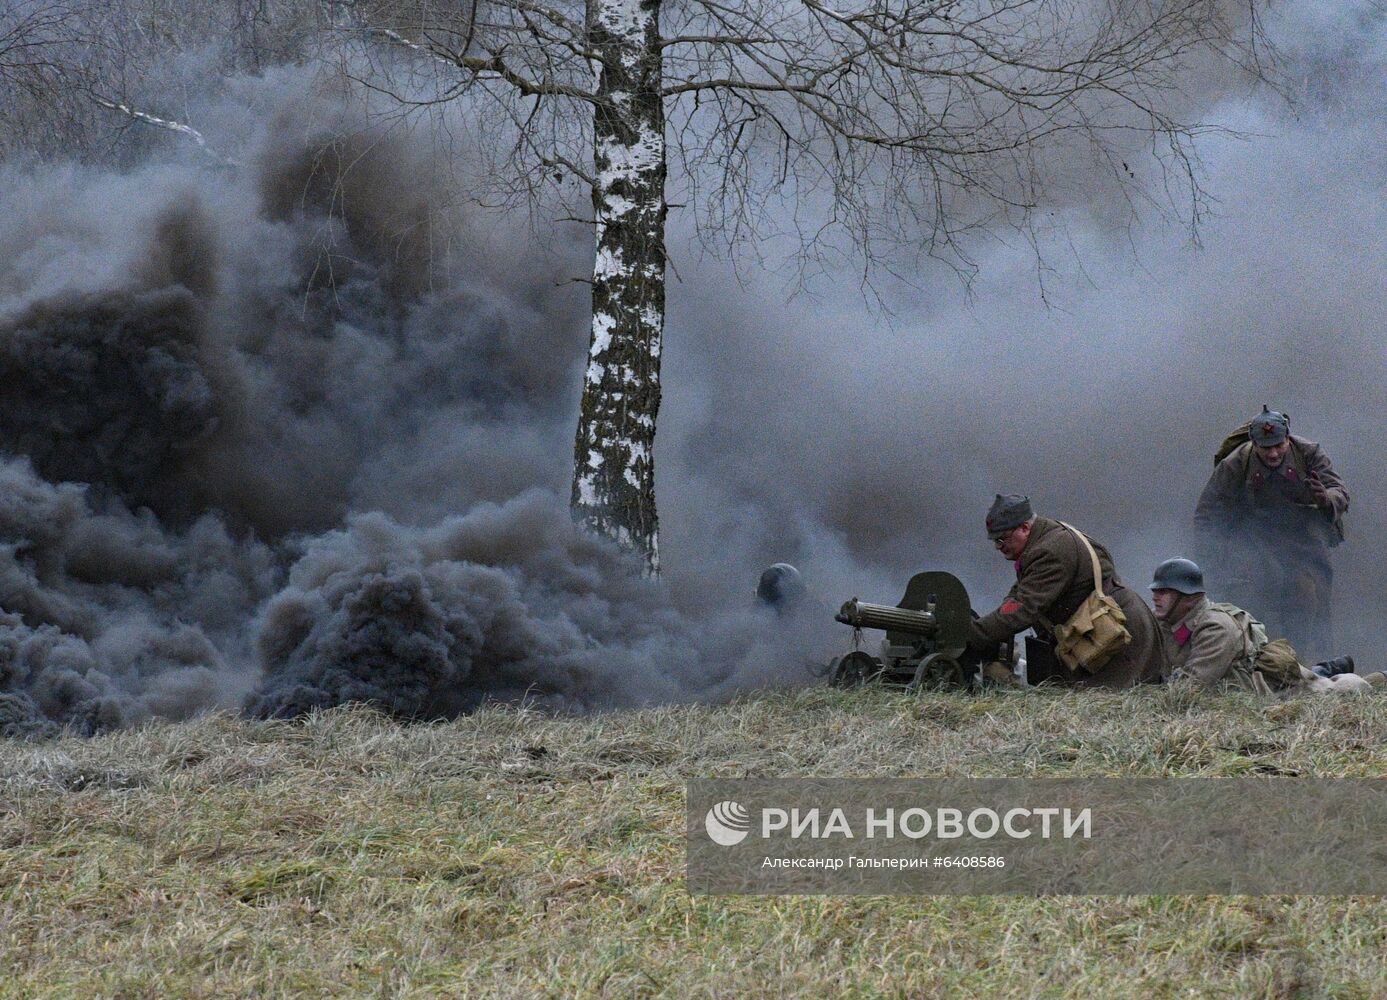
1335, 667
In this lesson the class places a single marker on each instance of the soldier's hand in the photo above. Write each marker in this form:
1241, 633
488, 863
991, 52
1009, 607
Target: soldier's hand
1318, 491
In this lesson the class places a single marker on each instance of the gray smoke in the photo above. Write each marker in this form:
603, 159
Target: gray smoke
298, 432
863, 450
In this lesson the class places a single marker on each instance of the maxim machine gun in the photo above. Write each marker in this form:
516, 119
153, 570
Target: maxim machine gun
926, 637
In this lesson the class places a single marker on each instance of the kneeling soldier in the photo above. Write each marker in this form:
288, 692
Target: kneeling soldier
1054, 576
1221, 645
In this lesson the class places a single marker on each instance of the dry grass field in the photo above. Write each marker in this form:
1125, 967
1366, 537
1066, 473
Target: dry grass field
516, 855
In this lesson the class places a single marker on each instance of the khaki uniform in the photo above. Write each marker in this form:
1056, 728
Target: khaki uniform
1053, 576
1216, 645
1265, 543
1342, 684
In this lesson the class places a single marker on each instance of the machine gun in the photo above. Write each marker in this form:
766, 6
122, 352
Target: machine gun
926, 637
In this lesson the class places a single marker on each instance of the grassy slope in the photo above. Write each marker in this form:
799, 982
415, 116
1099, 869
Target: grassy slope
510, 854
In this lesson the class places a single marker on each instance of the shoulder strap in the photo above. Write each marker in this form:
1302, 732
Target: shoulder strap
1254, 634
1097, 571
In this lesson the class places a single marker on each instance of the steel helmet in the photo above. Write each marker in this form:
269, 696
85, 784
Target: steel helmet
780, 586
1183, 575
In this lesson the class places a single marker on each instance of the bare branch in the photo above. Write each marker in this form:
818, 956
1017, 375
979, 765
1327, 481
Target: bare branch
166, 124
875, 132
480, 66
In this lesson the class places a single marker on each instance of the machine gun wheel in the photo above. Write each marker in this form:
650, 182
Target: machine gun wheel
853, 670
938, 670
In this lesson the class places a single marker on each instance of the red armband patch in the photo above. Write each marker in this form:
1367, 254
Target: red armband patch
1182, 635
1010, 607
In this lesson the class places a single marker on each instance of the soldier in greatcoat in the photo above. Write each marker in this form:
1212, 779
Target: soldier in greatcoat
1265, 523
1054, 574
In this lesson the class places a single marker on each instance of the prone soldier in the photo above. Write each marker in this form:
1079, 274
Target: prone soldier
1265, 523
1054, 577
1222, 646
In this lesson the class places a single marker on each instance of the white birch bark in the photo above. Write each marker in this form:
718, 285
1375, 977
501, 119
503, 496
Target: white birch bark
921, 123
614, 469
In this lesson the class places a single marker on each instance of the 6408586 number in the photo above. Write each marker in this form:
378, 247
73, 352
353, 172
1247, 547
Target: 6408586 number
975, 861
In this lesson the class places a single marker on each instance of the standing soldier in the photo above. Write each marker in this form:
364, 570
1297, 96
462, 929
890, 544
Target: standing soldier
1265, 523
1054, 576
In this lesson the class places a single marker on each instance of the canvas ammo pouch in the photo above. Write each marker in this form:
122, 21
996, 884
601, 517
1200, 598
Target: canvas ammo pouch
1279, 664
1097, 631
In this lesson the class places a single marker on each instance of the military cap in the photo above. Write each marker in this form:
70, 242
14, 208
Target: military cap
1183, 575
1007, 512
1268, 428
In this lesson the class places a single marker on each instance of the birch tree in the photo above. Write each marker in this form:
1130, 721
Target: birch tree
880, 123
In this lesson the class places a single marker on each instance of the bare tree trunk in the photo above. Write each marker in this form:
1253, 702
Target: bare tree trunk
614, 469
918, 124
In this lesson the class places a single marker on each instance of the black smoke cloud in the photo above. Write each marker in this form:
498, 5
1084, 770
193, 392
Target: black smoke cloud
279, 342
506, 602
111, 618
108, 388
296, 433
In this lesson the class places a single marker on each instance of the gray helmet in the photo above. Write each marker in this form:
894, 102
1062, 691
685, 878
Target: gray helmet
780, 586
1183, 575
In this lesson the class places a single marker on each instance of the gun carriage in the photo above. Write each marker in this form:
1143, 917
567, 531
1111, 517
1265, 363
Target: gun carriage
926, 643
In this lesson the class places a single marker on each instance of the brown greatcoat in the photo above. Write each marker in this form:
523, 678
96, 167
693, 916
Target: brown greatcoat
1265, 544
1053, 576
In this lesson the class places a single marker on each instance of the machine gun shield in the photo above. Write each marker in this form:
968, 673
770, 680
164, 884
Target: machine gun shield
926, 637
952, 609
